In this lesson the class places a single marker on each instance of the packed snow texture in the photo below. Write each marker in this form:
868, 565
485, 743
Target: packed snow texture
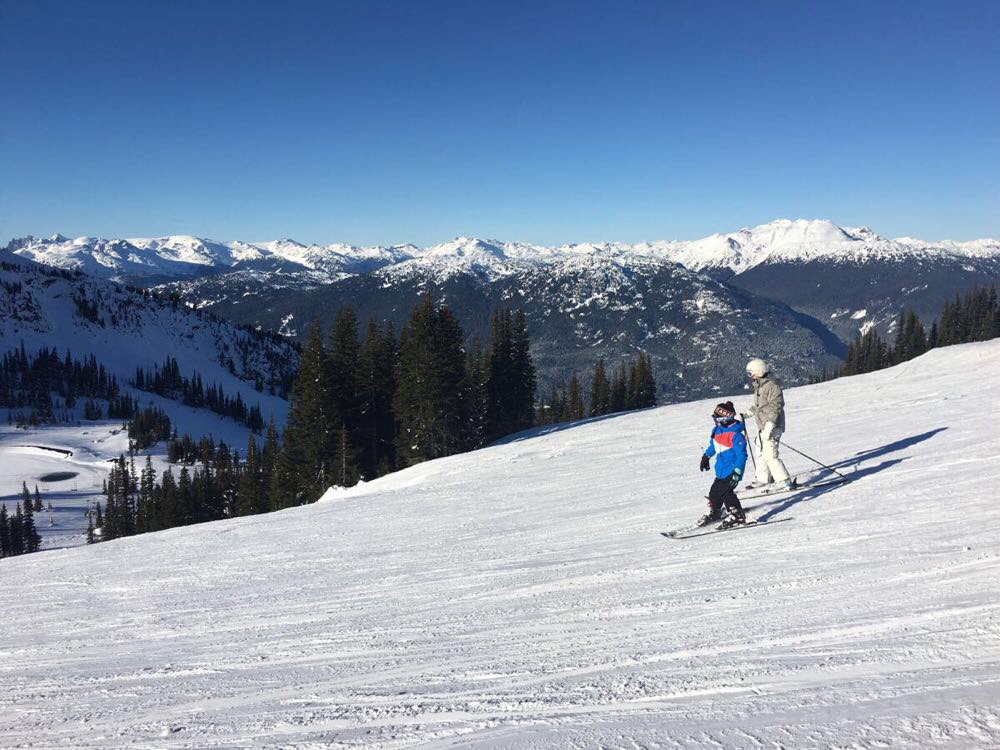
183, 256
522, 596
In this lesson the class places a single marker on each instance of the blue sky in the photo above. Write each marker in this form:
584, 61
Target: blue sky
372, 122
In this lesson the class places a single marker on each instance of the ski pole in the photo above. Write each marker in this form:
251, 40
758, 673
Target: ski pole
795, 450
743, 421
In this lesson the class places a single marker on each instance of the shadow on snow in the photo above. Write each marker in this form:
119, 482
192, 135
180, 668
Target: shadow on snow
780, 506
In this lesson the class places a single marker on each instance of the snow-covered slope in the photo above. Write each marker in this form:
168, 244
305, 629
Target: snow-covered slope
125, 329
521, 596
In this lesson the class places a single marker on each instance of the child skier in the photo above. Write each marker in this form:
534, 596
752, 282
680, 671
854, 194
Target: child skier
729, 446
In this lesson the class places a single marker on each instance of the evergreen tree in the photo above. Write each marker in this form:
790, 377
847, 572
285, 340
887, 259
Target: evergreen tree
169, 512
645, 388
38, 501
575, 408
525, 378
145, 506
5, 550
478, 368
618, 395
431, 390
303, 468
251, 496
16, 526
600, 390
270, 459
30, 540
376, 431
511, 380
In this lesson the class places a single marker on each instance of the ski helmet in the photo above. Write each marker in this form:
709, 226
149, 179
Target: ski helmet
725, 410
757, 368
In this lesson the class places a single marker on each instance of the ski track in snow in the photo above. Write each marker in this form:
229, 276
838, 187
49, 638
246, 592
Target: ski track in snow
521, 596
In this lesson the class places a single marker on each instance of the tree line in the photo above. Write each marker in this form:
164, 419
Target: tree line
360, 408
974, 316
631, 386
166, 380
364, 407
46, 388
18, 534
28, 382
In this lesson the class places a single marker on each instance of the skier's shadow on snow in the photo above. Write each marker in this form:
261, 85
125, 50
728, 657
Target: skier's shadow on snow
899, 445
811, 494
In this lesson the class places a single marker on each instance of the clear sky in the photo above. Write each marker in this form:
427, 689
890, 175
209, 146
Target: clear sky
418, 121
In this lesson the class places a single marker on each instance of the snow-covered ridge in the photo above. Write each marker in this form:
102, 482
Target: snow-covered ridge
125, 329
182, 256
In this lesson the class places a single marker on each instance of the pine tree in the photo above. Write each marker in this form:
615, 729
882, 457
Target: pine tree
169, 511
900, 345
16, 526
250, 495
30, 540
147, 513
575, 408
303, 468
342, 408
432, 390
38, 501
600, 390
645, 392
525, 378
5, 550
618, 395
916, 338
510, 375
478, 368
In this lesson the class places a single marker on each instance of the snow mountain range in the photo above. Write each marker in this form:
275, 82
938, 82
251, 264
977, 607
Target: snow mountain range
792, 291
183, 256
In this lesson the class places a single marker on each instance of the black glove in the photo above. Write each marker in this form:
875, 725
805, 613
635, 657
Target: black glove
734, 478
705, 465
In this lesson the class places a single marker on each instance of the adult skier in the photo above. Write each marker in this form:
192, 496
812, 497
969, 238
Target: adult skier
728, 444
769, 411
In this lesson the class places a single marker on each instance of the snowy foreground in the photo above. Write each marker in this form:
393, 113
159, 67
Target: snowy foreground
521, 596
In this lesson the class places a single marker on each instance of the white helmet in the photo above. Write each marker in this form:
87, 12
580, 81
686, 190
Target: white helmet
757, 368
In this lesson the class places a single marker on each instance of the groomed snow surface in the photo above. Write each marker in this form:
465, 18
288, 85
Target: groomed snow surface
522, 596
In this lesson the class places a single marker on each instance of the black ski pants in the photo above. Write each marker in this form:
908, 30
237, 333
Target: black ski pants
722, 493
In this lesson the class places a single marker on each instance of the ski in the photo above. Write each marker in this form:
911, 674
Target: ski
796, 488
686, 534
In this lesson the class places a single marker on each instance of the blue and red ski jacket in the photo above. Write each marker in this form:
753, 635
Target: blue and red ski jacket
729, 446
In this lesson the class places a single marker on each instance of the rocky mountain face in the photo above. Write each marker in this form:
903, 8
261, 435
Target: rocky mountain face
792, 291
699, 331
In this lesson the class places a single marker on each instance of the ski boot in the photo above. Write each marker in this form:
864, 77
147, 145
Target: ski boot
735, 518
706, 519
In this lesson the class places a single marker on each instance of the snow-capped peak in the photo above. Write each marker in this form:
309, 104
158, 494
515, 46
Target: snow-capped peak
783, 240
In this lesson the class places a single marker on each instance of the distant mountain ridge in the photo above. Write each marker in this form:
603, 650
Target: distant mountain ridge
185, 257
791, 290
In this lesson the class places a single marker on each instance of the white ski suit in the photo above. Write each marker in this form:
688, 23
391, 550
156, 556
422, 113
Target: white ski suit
769, 410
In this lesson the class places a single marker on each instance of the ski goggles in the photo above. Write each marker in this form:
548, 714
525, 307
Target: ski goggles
723, 420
